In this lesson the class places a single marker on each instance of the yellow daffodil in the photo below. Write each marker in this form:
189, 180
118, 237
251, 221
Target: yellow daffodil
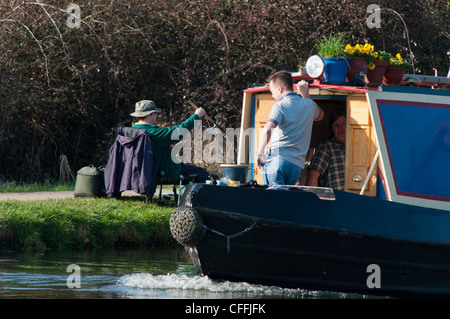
399, 57
371, 66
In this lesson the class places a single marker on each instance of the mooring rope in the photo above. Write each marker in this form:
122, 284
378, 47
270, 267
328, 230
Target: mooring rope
229, 237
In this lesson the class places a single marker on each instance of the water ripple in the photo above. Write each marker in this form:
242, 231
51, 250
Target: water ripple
186, 286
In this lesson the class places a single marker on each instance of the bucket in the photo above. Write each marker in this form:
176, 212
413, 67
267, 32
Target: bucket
235, 172
335, 70
89, 182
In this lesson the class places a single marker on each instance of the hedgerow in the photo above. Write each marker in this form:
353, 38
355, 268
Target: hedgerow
64, 89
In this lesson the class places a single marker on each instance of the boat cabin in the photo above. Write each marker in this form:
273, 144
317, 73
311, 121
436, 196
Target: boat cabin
382, 123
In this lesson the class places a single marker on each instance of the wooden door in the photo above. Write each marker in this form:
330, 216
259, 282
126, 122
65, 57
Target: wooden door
263, 106
360, 147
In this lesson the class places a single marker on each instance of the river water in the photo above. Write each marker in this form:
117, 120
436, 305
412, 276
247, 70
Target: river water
126, 274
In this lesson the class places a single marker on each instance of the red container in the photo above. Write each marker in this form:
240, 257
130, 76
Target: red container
393, 75
376, 75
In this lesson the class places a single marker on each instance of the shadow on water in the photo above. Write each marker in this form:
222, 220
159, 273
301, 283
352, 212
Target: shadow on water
126, 274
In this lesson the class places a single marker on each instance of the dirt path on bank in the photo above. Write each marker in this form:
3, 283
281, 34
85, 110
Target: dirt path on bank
36, 195
59, 195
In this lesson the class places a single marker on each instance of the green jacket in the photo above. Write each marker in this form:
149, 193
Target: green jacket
162, 145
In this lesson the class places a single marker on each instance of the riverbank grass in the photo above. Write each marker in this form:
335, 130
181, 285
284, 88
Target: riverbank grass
80, 223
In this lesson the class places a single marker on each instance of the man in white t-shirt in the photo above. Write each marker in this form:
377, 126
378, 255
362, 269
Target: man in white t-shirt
289, 128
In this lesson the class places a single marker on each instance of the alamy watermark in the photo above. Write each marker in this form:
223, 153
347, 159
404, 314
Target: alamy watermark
74, 18
374, 18
206, 146
211, 146
74, 280
374, 279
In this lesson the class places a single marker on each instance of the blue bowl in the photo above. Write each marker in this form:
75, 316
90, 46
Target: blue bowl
235, 172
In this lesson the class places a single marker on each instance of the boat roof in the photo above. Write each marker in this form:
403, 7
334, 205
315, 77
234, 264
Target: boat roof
410, 82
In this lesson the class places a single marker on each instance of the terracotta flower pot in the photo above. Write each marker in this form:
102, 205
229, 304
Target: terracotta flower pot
393, 75
376, 75
356, 65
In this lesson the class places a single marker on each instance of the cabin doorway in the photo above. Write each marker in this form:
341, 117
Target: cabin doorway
360, 137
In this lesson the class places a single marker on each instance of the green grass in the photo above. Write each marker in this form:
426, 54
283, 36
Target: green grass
331, 46
79, 223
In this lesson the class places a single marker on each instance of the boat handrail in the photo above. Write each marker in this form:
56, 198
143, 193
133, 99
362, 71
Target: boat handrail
324, 193
369, 173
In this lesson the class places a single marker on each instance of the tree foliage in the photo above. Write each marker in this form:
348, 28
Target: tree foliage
64, 90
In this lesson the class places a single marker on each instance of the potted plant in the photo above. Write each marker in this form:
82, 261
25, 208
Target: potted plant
331, 50
360, 57
377, 67
395, 70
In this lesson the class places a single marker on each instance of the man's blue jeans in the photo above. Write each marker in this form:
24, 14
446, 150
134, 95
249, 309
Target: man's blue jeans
280, 172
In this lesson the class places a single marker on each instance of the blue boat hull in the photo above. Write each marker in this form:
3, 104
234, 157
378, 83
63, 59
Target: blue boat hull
292, 238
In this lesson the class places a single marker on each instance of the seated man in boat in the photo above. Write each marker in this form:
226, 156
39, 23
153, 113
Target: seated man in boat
327, 168
146, 117
291, 121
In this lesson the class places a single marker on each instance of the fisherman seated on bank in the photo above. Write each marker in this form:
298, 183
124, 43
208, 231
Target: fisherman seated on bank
146, 117
291, 120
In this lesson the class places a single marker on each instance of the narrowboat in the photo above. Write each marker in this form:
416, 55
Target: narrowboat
387, 233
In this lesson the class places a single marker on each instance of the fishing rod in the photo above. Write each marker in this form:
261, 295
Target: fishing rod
213, 123
206, 116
